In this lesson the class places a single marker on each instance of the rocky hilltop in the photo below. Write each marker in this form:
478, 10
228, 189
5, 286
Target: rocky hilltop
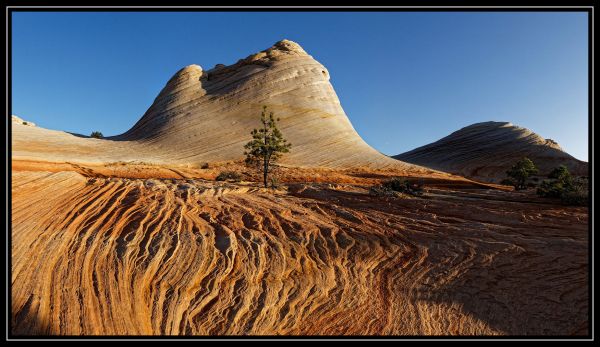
207, 115
486, 150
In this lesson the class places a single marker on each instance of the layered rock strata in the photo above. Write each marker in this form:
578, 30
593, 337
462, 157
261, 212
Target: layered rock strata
207, 115
486, 150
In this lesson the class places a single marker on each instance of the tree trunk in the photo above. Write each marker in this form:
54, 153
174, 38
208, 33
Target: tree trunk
265, 156
265, 171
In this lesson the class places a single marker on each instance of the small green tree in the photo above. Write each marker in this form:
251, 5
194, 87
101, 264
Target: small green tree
228, 175
571, 191
520, 172
97, 135
560, 181
561, 173
267, 145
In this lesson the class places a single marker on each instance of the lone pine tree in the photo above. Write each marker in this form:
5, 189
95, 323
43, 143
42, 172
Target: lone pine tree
520, 172
267, 145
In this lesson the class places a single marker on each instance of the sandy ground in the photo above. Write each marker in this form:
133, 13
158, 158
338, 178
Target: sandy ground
132, 248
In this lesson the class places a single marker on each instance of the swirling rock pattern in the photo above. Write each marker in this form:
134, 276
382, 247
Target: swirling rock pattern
486, 150
207, 115
147, 256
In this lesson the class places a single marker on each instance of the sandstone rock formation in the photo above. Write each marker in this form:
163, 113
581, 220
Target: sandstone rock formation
205, 116
129, 235
486, 150
130, 256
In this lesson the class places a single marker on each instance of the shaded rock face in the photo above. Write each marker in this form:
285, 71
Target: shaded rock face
486, 150
208, 115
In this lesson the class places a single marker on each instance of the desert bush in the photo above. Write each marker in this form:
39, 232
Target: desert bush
274, 182
577, 196
380, 190
397, 185
563, 186
520, 172
24, 123
229, 176
551, 189
96, 135
560, 173
204, 166
401, 185
560, 182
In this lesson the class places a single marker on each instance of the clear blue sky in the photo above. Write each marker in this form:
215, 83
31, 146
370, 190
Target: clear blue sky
405, 79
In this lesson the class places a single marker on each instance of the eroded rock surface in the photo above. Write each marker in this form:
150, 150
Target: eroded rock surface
486, 150
207, 116
133, 256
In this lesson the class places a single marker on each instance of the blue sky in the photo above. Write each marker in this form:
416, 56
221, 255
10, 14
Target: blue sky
405, 79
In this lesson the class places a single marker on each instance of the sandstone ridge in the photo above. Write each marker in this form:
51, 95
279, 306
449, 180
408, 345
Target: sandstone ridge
486, 150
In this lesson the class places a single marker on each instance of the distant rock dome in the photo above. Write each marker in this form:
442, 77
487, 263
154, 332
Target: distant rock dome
486, 150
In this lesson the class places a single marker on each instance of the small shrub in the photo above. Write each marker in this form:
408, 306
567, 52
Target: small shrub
563, 186
229, 176
380, 190
97, 135
561, 173
578, 196
397, 185
24, 123
550, 189
274, 182
204, 166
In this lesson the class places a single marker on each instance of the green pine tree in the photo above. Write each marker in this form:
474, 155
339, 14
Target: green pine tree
97, 135
562, 174
520, 172
267, 145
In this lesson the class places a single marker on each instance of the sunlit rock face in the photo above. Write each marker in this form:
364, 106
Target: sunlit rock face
164, 257
208, 115
486, 150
